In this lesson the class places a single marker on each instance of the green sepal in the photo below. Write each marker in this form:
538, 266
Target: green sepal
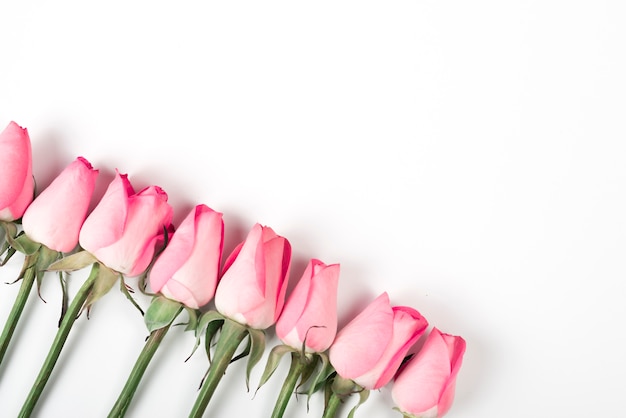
363, 395
30, 262
310, 364
64, 298
322, 376
45, 257
73, 262
244, 353
273, 360
257, 348
105, 280
7, 229
161, 312
10, 251
346, 387
192, 314
212, 321
24, 244
343, 387
126, 291
404, 414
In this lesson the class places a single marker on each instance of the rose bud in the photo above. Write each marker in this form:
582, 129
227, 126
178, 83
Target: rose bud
370, 349
425, 385
123, 229
55, 217
253, 286
187, 270
16, 172
310, 313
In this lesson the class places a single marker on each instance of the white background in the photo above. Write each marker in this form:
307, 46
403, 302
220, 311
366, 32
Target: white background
467, 157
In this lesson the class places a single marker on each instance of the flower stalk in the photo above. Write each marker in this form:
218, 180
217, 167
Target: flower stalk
37, 259
159, 318
298, 366
70, 317
339, 390
28, 278
231, 335
332, 406
149, 349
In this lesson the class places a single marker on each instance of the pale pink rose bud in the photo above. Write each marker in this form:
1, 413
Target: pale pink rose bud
187, 270
16, 172
370, 349
55, 217
425, 385
123, 229
310, 314
252, 288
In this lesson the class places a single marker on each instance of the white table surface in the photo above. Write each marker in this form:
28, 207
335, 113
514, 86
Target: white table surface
465, 157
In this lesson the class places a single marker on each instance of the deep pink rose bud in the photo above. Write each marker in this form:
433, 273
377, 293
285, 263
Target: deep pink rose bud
252, 288
123, 229
187, 270
370, 349
16, 172
310, 314
56, 215
425, 385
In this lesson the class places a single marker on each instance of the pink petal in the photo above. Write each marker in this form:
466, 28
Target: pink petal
295, 305
427, 381
16, 191
360, 344
65, 201
408, 326
199, 272
105, 225
175, 254
318, 322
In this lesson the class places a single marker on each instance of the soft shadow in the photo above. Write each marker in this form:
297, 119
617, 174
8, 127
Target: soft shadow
49, 158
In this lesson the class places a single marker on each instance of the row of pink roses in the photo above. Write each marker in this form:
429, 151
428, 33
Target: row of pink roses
125, 227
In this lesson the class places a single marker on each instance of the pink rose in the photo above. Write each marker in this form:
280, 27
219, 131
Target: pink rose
252, 288
425, 385
371, 347
16, 172
56, 215
310, 314
123, 229
187, 270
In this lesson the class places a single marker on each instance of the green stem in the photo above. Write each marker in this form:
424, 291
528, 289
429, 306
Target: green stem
331, 407
295, 371
18, 307
60, 338
231, 335
126, 396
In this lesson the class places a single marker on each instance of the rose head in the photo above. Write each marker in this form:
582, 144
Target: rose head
371, 347
425, 385
16, 172
54, 218
123, 229
253, 285
310, 314
187, 270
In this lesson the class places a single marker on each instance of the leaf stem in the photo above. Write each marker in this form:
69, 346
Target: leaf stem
126, 396
59, 340
231, 335
18, 306
295, 371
